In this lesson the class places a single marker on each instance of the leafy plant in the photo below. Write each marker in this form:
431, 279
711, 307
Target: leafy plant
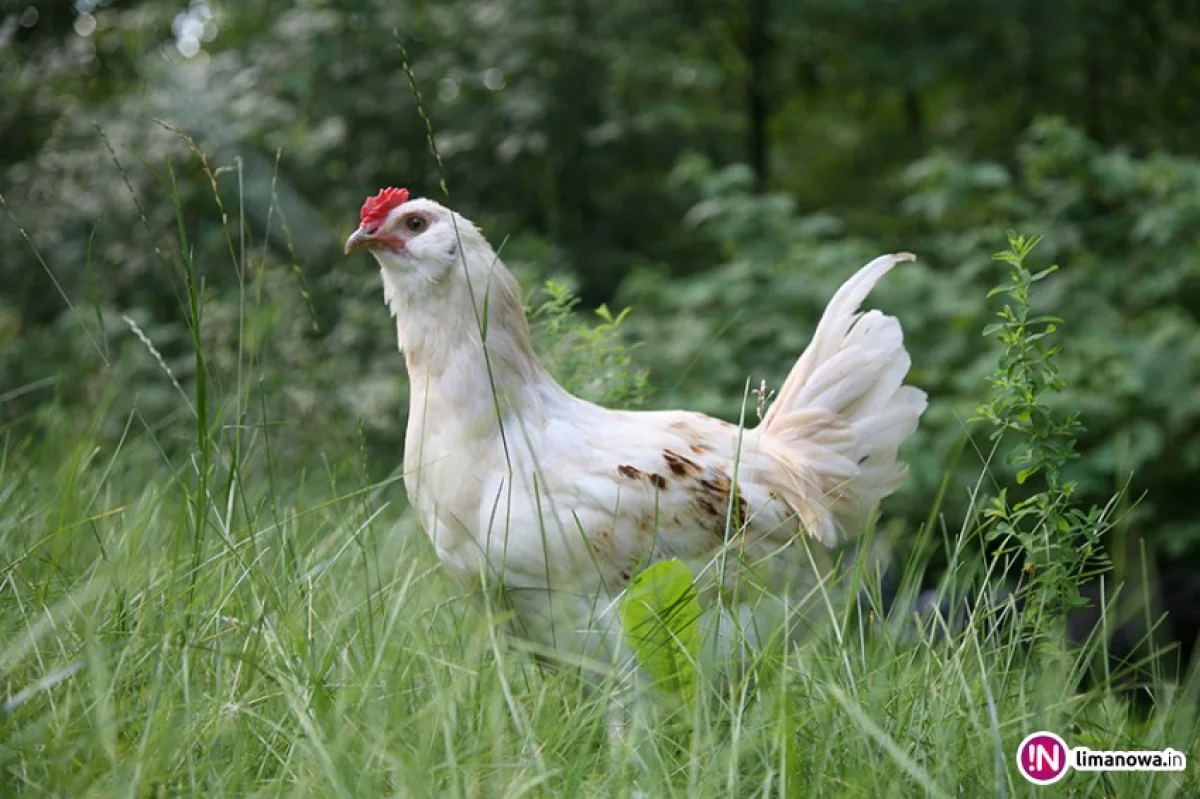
660, 613
1060, 542
590, 359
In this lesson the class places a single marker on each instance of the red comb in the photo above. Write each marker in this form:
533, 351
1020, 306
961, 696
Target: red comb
376, 208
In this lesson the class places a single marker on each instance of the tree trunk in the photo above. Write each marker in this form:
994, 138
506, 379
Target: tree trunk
757, 52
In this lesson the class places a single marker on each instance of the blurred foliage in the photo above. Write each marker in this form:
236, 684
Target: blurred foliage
719, 166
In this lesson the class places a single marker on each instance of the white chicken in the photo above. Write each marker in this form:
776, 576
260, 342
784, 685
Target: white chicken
560, 501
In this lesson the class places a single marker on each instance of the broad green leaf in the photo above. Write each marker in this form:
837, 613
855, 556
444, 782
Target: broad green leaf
660, 613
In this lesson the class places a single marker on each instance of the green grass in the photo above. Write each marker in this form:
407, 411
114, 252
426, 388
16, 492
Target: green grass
307, 643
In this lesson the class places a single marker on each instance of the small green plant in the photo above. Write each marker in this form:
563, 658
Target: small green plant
661, 613
591, 360
1060, 542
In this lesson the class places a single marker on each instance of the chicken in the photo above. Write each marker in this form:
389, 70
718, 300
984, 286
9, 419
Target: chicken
560, 502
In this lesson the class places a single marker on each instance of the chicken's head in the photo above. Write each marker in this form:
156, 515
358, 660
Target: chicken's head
440, 275
417, 241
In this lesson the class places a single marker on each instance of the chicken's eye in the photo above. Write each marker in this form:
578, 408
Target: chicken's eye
414, 223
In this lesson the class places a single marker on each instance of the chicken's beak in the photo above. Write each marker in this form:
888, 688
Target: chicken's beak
359, 240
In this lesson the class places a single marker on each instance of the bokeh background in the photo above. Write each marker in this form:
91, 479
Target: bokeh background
719, 166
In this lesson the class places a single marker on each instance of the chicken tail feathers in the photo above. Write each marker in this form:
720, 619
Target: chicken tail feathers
835, 429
